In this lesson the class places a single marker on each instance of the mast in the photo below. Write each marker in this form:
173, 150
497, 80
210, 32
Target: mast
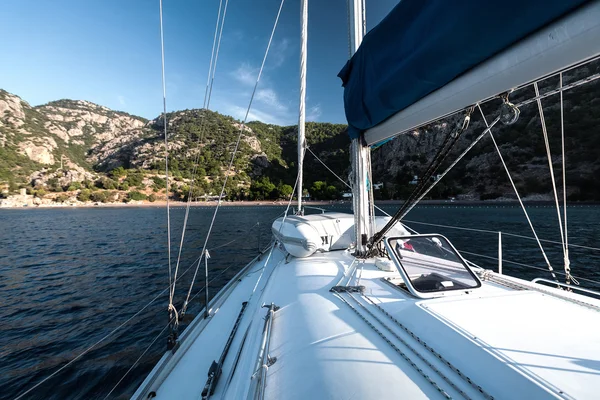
301, 118
360, 153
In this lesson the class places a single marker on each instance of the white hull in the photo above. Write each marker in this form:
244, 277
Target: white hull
508, 339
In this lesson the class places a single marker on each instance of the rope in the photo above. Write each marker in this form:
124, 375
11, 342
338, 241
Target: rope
441, 155
212, 54
531, 100
99, 341
287, 209
560, 90
453, 164
207, 95
428, 347
394, 347
111, 333
164, 88
234, 240
138, 359
549, 156
518, 196
243, 125
329, 169
567, 261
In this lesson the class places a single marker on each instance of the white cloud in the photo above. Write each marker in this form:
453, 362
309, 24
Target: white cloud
314, 113
278, 53
122, 101
270, 98
246, 74
254, 115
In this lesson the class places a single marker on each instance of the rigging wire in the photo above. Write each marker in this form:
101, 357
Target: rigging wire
567, 261
212, 54
164, 88
524, 265
329, 169
496, 232
447, 145
207, 95
549, 156
575, 84
340, 179
242, 126
460, 157
560, 90
518, 196
119, 327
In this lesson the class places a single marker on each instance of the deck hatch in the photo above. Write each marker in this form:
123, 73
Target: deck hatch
430, 265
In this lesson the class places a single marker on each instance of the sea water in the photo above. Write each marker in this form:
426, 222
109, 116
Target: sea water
69, 277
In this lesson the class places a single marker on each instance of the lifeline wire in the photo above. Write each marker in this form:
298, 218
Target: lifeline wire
139, 358
111, 333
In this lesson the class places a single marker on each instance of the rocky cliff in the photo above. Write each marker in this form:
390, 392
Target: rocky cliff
90, 142
481, 174
79, 134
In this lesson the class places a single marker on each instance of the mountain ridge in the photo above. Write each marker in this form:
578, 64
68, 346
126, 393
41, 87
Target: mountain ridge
93, 141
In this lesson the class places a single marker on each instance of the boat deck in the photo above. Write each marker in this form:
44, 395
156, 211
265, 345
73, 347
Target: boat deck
516, 340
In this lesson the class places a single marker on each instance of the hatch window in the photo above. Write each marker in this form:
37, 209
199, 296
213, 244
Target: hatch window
430, 264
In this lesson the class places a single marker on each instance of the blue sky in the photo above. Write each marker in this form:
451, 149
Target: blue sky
108, 52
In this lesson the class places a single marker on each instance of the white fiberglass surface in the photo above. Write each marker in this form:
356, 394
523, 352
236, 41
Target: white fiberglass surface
188, 375
552, 342
323, 349
432, 264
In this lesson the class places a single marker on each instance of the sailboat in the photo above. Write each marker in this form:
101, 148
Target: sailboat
356, 306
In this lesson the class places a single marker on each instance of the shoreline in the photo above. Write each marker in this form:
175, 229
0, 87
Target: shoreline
181, 204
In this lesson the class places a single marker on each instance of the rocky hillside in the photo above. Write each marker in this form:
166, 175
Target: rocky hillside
102, 149
77, 144
78, 133
481, 175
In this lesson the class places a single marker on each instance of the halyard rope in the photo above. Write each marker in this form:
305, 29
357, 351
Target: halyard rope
395, 348
428, 347
340, 179
453, 164
449, 141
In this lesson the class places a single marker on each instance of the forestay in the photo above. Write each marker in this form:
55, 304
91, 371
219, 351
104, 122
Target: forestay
422, 46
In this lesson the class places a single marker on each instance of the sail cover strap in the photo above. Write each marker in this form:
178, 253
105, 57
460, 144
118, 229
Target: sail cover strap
423, 45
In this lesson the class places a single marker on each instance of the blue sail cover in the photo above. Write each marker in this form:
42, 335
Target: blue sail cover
424, 44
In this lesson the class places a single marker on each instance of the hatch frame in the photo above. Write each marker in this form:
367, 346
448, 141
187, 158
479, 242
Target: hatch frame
408, 280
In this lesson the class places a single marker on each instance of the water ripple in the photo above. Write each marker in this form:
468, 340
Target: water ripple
82, 272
